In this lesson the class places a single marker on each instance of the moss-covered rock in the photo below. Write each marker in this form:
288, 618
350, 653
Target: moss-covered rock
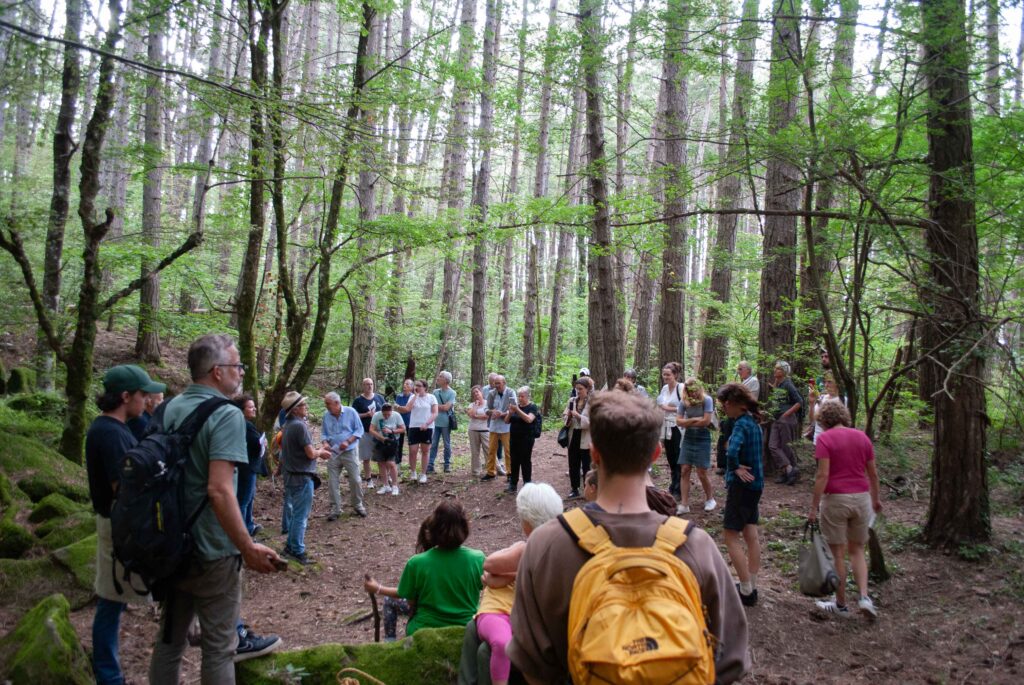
6, 493
23, 582
429, 656
3, 378
14, 422
39, 471
14, 540
43, 648
40, 405
22, 379
79, 559
60, 532
54, 505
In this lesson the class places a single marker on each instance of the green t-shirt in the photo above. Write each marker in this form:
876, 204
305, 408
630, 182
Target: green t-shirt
445, 584
443, 397
222, 438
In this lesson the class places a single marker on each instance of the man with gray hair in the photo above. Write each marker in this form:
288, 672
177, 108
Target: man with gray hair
748, 379
442, 424
210, 587
341, 433
498, 403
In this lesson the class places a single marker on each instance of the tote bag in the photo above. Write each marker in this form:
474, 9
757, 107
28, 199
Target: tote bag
817, 567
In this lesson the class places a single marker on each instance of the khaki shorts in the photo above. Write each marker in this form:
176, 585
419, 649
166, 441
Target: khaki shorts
845, 518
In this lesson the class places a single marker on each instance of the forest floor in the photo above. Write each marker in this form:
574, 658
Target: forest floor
944, 618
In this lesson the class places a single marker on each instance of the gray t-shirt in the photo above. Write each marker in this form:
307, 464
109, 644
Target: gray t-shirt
221, 438
293, 448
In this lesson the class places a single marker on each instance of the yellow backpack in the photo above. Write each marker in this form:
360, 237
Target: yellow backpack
636, 614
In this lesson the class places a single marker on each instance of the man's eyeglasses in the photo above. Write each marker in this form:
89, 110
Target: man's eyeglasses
240, 367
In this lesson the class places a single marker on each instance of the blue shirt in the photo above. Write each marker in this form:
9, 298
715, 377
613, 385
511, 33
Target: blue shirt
401, 401
745, 448
337, 430
443, 397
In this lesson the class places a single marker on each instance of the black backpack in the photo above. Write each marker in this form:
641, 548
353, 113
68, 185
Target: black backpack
150, 528
538, 425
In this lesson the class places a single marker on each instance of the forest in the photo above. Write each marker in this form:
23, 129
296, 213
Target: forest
363, 189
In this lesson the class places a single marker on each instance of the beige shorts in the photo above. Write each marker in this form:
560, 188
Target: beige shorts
845, 518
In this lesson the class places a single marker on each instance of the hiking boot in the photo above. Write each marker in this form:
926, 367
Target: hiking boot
302, 558
487, 477
710, 504
747, 600
793, 476
867, 607
333, 516
830, 607
251, 645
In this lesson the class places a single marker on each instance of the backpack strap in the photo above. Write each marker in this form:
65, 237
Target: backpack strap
672, 534
192, 424
588, 535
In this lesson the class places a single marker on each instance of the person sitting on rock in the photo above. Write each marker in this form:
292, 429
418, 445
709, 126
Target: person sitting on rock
440, 586
536, 504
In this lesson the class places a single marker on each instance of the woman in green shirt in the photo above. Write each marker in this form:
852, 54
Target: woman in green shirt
440, 585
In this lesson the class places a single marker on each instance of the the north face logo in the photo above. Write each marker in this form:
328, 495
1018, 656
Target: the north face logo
641, 645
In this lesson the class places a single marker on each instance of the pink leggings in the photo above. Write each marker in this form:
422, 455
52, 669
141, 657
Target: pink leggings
496, 630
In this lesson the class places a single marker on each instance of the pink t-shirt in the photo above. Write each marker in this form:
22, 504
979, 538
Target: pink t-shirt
848, 451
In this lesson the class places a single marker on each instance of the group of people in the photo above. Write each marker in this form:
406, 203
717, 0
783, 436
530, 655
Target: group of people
527, 587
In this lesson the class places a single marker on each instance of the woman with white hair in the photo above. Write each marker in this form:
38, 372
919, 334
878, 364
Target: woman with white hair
785, 401
521, 416
536, 504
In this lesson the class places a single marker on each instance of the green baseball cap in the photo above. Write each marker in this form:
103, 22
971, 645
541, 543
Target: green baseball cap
129, 378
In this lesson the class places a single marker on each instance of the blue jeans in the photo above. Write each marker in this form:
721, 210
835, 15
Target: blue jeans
106, 665
246, 495
446, 432
299, 492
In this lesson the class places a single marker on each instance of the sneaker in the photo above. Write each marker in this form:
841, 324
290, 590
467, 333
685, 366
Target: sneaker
793, 476
256, 528
487, 477
430, 470
573, 494
384, 490
447, 468
782, 478
251, 645
362, 512
710, 504
394, 491
332, 516
682, 509
511, 489
423, 478
747, 600
412, 475
867, 607
830, 607
501, 469
302, 558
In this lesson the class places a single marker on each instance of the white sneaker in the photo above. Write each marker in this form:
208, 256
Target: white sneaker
412, 475
501, 469
867, 607
830, 607
394, 491
682, 509
710, 504
423, 478
384, 490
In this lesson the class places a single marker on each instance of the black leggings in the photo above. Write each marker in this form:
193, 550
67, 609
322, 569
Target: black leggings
671, 447
521, 448
577, 458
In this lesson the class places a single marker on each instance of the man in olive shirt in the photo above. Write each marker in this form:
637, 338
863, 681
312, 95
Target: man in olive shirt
211, 587
624, 431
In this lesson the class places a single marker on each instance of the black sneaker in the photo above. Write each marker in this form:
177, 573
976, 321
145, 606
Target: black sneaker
793, 476
256, 528
487, 477
251, 645
747, 600
303, 558
447, 468
511, 489
782, 479
573, 494
430, 470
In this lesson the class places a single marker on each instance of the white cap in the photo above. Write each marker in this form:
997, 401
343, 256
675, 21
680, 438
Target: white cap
584, 371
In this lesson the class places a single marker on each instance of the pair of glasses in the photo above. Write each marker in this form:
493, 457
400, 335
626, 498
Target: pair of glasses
240, 367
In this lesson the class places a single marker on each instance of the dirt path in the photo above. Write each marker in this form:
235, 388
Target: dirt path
942, 619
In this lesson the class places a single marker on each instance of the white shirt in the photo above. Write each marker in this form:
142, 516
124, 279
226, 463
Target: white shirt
672, 399
753, 385
420, 410
478, 424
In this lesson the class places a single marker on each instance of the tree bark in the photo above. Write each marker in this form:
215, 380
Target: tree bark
63, 150
674, 121
147, 340
1018, 72
782, 190
958, 510
603, 319
715, 341
992, 57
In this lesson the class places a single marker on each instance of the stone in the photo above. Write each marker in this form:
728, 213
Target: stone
21, 380
79, 559
63, 531
38, 471
52, 506
14, 540
43, 648
24, 582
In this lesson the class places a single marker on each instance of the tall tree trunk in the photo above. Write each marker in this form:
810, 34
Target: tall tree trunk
958, 511
603, 318
674, 120
63, 150
992, 57
714, 344
782, 189
876, 68
1018, 72
481, 188
147, 340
